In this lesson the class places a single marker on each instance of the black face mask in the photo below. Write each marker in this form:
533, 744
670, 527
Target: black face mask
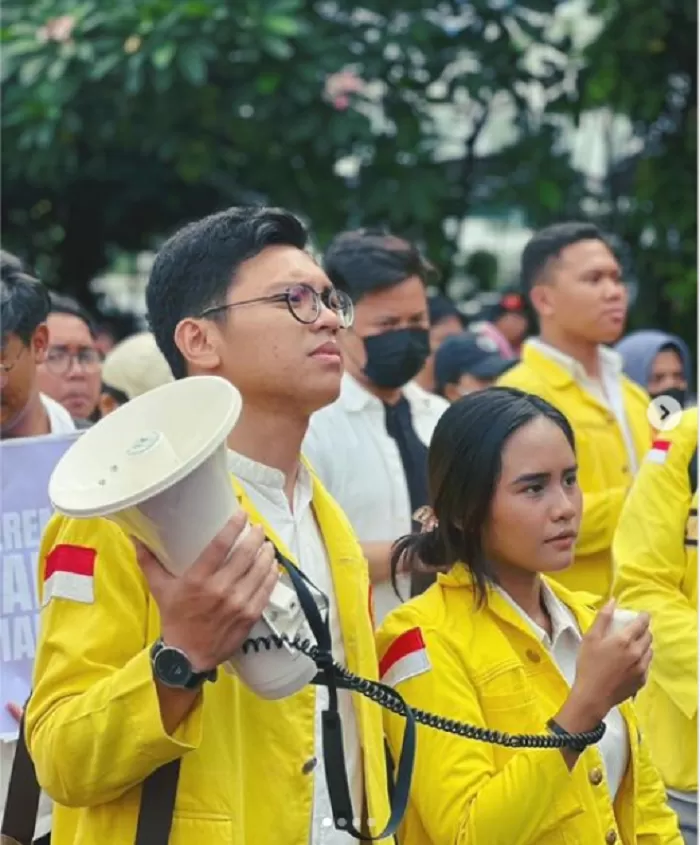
394, 358
680, 394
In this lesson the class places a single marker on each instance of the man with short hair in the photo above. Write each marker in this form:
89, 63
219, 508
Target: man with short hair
574, 283
234, 295
24, 412
468, 362
70, 371
24, 306
370, 447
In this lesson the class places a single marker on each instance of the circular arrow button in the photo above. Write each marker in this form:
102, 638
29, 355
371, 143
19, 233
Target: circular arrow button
664, 413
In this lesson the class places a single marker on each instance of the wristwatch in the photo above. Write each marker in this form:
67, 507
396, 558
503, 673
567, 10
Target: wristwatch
172, 667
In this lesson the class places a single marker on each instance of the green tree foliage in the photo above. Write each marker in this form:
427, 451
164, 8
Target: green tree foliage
644, 66
121, 120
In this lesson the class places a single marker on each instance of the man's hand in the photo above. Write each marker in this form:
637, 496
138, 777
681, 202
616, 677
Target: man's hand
15, 711
209, 610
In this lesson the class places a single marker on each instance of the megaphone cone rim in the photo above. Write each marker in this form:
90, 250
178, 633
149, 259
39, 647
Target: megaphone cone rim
214, 442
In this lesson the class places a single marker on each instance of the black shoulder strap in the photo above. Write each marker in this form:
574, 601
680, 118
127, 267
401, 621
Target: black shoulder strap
693, 471
155, 813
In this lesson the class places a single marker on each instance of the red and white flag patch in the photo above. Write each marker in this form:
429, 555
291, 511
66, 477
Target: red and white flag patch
407, 657
70, 574
659, 451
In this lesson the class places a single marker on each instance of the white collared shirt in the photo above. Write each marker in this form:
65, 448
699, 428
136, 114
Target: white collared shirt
607, 390
564, 646
60, 421
298, 530
359, 463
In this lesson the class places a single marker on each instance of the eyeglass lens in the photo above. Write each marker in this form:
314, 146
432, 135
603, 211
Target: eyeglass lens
59, 360
305, 303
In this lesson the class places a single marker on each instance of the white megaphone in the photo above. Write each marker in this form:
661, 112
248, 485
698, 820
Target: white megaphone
157, 466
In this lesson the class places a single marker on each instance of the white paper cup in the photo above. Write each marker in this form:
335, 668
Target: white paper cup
621, 619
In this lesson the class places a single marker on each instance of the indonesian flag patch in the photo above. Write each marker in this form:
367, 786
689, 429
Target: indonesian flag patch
70, 574
406, 657
659, 451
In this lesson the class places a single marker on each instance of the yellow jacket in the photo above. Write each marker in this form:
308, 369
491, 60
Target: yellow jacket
93, 722
656, 557
489, 669
604, 472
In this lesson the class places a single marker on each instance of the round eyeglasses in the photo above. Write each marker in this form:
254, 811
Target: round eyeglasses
59, 360
304, 304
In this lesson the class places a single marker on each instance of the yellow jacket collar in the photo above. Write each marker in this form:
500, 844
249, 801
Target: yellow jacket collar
581, 604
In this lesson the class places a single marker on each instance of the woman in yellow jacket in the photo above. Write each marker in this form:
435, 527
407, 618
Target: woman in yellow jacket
656, 554
496, 644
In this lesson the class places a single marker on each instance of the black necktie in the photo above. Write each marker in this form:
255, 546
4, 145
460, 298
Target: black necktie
414, 458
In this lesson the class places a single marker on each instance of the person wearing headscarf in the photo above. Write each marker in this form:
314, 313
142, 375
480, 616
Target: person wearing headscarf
658, 362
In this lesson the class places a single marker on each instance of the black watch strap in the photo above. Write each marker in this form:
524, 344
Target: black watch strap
196, 679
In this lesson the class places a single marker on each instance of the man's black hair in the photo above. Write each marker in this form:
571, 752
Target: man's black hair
196, 267
24, 301
368, 260
67, 305
548, 243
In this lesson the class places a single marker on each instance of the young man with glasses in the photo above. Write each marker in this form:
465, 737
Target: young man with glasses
70, 371
234, 295
24, 307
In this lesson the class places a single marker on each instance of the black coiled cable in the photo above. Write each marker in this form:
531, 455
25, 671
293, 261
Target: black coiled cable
386, 697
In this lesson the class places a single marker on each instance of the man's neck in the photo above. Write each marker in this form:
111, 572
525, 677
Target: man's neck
586, 353
32, 422
426, 377
272, 439
387, 395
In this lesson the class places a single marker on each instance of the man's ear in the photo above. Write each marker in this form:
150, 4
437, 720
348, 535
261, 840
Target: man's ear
452, 392
542, 299
39, 343
199, 342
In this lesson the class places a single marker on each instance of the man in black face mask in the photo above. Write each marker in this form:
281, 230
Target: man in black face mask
370, 447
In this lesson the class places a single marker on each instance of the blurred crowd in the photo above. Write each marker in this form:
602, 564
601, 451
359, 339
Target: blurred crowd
396, 448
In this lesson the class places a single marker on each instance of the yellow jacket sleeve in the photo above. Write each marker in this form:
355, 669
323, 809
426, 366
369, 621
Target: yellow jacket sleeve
657, 824
457, 790
93, 722
650, 563
601, 512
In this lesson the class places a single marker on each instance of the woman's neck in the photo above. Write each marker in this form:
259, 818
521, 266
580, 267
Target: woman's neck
525, 588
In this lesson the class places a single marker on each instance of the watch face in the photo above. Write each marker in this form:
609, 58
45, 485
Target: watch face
172, 667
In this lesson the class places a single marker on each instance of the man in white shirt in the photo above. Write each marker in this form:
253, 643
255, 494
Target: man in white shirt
370, 447
24, 412
25, 304
70, 371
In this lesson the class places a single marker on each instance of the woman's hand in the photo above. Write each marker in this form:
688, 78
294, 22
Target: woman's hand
612, 667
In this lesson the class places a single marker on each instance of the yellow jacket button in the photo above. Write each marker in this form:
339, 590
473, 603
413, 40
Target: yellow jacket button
309, 766
595, 776
533, 656
610, 837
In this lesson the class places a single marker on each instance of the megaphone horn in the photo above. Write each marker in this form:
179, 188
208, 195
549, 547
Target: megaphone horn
157, 466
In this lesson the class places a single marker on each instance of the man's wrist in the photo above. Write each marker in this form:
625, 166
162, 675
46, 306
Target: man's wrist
173, 668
